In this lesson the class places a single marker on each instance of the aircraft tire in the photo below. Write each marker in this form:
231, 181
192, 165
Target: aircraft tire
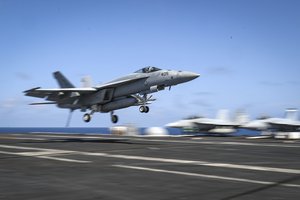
87, 117
142, 109
114, 119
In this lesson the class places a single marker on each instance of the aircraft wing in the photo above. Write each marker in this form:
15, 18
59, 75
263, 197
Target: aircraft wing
114, 84
54, 93
285, 126
42, 93
215, 123
216, 126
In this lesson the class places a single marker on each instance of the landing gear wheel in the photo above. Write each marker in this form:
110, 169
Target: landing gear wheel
114, 119
87, 117
144, 109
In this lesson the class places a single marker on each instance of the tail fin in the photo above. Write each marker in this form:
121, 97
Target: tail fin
292, 114
223, 115
87, 81
62, 80
241, 117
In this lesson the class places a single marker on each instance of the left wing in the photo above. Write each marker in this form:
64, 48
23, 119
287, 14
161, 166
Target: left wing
215, 123
221, 127
53, 94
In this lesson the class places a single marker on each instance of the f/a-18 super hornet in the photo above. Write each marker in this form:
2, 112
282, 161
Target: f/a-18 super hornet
126, 91
222, 124
290, 123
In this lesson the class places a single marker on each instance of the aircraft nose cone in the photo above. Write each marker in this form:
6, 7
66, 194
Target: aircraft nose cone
188, 76
192, 75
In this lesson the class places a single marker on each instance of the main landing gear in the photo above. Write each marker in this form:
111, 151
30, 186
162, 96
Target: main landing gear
144, 109
87, 117
114, 118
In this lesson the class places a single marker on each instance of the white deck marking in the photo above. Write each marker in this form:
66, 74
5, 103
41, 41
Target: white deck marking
30, 148
258, 137
64, 159
72, 136
206, 176
39, 155
217, 143
42, 153
155, 159
194, 162
22, 138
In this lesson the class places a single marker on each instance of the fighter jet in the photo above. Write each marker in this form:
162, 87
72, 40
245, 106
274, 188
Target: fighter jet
220, 125
126, 91
287, 124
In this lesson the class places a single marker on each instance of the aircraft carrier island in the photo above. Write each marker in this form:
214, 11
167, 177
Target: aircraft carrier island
76, 166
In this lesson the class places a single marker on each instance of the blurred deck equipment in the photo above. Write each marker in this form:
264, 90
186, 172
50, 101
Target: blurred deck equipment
127, 130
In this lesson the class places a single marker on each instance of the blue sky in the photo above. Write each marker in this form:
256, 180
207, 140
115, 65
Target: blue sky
247, 52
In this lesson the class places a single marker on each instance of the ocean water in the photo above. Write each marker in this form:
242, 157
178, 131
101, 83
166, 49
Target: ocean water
102, 130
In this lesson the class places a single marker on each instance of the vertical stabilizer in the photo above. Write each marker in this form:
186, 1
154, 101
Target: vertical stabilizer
241, 117
86, 82
63, 82
223, 115
292, 114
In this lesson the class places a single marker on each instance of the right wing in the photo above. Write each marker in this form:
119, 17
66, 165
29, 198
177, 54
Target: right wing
114, 84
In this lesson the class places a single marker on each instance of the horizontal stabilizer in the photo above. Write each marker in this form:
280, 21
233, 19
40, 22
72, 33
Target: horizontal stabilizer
33, 89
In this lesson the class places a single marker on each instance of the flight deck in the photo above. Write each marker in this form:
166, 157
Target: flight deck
77, 166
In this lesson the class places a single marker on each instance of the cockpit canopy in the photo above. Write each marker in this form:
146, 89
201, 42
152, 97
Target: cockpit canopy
148, 70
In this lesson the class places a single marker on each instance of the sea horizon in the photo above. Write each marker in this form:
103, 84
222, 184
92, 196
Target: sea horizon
104, 130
